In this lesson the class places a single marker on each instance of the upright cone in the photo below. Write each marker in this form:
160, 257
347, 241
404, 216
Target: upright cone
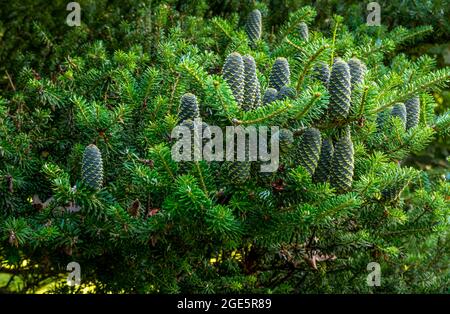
303, 31
339, 87
322, 171
258, 95
322, 72
357, 71
399, 111
238, 172
286, 92
412, 112
269, 96
188, 107
285, 139
342, 164
280, 74
251, 83
92, 167
253, 27
233, 73
308, 149
382, 117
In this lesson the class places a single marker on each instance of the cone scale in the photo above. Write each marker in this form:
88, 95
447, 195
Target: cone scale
342, 164
322, 171
339, 87
233, 73
92, 167
253, 27
280, 74
308, 149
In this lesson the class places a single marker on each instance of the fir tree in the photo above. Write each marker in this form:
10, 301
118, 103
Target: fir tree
93, 132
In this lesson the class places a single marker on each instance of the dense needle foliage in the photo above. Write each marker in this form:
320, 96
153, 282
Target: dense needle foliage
86, 173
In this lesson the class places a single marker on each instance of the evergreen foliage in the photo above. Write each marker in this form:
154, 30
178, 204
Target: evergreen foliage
137, 221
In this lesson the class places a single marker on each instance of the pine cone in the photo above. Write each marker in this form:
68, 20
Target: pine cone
342, 164
233, 73
303, 31
339, 87
382, 117
322, 72
253, 27
238, 172
308, 149
280, 74
188, 107
286, 92
412, 112
285, 139
250, 83
399, 110
357, 71
269, 96
391, 193
92, 167
204, 136
185, 166
323, 168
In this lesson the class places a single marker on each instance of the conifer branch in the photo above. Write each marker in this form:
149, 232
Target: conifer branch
202, 181
333, 42
363, 102
265, 117
311, 103
308, 66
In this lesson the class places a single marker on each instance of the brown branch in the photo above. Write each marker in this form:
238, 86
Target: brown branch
10, 81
